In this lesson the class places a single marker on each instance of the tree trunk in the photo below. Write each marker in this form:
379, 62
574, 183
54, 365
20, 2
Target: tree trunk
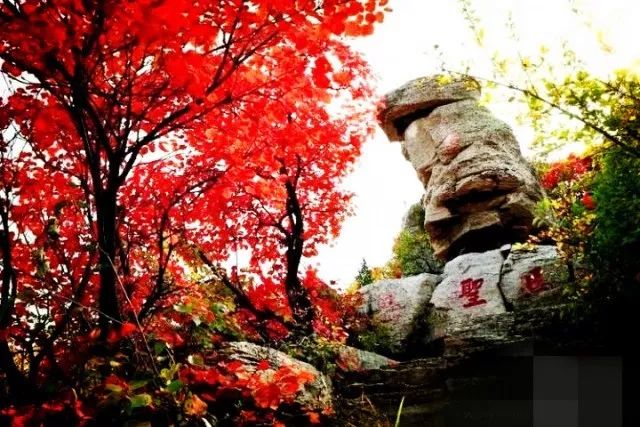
108, 304
17, 382
8, 288
297, 295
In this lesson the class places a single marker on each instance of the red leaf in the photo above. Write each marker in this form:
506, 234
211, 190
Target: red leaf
263, 365
127, 329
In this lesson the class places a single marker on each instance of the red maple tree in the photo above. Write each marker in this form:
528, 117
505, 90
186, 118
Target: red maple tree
144, 139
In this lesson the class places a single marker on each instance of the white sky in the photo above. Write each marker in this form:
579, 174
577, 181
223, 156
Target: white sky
402, 49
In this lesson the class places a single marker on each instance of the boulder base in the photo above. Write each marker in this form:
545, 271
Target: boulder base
316, 395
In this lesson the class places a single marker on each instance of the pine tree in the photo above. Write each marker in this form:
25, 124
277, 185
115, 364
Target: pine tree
364, 276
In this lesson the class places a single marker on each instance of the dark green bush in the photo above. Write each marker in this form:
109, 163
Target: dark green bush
614, 249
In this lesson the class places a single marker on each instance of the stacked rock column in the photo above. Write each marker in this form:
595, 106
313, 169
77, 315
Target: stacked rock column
480, 192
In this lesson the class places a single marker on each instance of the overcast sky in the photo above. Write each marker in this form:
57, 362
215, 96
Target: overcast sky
403, 48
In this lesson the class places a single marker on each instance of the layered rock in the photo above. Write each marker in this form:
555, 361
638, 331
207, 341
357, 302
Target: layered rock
395, 305
479, 191
351, 359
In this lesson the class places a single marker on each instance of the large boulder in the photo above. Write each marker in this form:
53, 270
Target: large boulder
315, 395
533, 276
479, 191
395, 305
469, 291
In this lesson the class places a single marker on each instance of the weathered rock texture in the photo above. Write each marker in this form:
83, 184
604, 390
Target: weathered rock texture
483, 296
490, 315
470, 289
533, 277
479, 190
396, 304
473, 303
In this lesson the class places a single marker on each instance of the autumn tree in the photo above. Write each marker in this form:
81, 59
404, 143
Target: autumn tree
143, 137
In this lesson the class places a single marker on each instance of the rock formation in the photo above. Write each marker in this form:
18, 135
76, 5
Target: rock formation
479, 323
475, 297
396, 306
476, 326
479, 191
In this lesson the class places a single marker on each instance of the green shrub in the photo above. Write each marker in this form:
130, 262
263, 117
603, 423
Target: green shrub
613, 250
413, 254
377, 338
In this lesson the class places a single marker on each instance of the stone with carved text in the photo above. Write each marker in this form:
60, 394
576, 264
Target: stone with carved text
469, 290
533, 276
396, 304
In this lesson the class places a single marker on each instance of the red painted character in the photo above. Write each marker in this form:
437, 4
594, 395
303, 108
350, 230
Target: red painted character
387, 301
533, 281
470, 289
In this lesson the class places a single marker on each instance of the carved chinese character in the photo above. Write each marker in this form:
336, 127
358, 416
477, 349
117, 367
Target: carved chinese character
533, 281
388, 307
387, 301
470, 290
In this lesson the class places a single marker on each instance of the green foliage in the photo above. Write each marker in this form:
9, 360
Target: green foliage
615, 243
414, 219
364, 276
413, 253
376, 338
601, 111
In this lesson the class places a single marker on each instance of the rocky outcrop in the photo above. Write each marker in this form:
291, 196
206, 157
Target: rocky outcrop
315, 395
479, 190
474, 303
394, 305
490, 314
486, 299
418, 98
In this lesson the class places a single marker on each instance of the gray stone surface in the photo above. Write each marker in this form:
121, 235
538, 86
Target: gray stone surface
395, 304
469, 291
422, 95
533, 276
316, 395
